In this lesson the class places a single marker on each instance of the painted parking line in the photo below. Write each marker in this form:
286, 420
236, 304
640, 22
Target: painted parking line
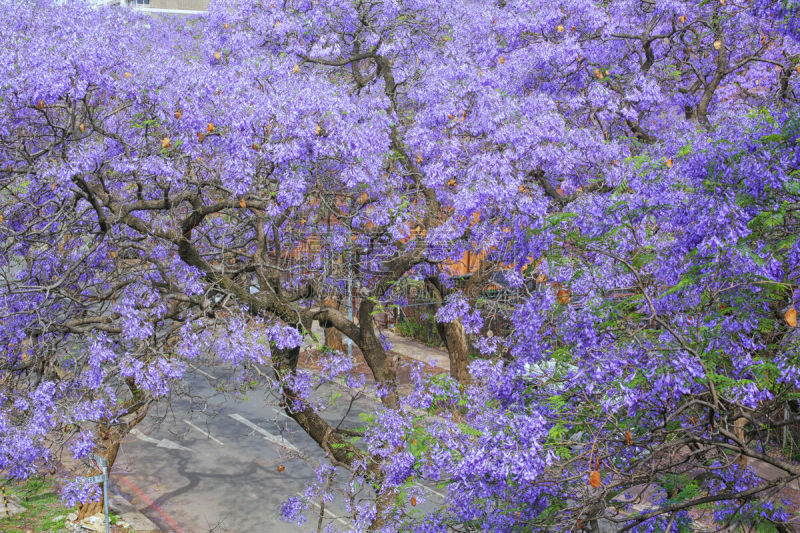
327, 512
279, 440
204, 433
281, 413
161, 443
442, 496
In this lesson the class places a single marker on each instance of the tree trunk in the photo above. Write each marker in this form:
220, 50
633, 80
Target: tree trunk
382, 367
738, 429
110, 450
110, 443
455, 339
333, 337
383, 506
88, 509
339, 450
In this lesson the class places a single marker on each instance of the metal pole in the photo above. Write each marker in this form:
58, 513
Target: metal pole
786, 426
103, 464
349, 303
105, 497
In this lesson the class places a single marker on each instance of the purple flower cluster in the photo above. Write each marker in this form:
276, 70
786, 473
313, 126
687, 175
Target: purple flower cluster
609, 187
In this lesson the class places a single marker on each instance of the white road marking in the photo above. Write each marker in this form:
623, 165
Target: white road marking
204, 433
281, 413
162, 443
326, 510
168, 444
442, 496
141, 436
202, 372
280, 441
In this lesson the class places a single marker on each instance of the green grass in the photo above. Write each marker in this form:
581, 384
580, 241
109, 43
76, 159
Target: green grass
45, 513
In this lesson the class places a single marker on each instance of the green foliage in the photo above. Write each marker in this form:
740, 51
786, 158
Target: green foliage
680, 488
422, 330
555, 437
44, 509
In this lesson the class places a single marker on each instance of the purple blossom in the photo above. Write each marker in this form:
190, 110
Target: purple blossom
83, 445
292, 510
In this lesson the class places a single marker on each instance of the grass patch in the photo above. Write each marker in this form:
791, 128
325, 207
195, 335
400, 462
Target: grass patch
45, 512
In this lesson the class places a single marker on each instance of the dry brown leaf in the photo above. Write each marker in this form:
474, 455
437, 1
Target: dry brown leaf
791, 317
563, 296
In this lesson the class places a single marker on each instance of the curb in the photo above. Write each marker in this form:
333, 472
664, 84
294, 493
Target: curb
127, 512
117, 503
129, 517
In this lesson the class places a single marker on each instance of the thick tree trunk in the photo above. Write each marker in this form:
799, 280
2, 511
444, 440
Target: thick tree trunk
110, 449
333, 337
110, 443
455, 339
377, 359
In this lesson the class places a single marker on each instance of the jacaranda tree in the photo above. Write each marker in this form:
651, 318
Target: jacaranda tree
171, 188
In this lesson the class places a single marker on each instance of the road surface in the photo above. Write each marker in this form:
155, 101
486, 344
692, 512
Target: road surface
210, 462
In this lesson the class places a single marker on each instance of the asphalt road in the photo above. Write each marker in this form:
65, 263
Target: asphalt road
210, 462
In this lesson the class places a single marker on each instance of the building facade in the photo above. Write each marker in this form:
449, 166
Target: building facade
182, 5
163, 6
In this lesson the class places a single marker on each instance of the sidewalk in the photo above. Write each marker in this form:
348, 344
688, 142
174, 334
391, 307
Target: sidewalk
438, 360
416, 350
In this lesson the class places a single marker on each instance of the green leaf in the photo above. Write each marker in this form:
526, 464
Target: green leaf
469, 430
766, 527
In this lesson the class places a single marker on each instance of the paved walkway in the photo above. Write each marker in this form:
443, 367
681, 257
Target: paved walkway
416, 350
402, 346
